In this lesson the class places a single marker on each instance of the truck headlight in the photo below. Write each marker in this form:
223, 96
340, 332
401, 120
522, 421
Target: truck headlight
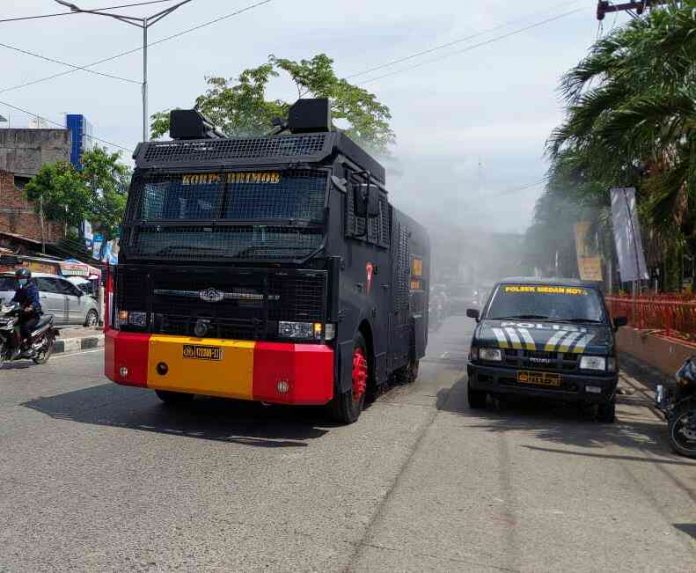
593, 363
474, 353
287, 329
491, 354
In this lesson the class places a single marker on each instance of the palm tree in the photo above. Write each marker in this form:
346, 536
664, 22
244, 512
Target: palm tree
631, 118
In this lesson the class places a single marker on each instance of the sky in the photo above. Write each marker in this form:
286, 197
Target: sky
470, 119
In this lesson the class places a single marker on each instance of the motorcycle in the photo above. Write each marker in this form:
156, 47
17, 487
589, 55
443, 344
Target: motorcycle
678, 404
41, 341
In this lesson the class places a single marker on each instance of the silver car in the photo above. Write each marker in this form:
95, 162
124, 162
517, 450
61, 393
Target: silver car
59, 297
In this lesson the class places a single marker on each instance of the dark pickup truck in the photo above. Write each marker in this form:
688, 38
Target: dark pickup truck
545, 338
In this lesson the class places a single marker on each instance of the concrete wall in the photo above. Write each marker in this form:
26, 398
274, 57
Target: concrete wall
24, 151
665, 354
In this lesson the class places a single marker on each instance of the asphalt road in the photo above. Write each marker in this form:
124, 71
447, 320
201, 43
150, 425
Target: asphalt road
96, 477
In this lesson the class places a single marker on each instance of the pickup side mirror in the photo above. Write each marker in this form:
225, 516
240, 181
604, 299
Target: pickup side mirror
620, 321
473, 313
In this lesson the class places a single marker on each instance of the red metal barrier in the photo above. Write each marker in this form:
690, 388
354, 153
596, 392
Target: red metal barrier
675, 314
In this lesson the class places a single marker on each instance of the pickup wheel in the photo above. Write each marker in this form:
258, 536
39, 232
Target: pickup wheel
606, 412
347, 406
476, 398
174, 398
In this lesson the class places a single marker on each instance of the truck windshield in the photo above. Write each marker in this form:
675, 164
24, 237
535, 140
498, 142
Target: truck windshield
540, 302
268, 214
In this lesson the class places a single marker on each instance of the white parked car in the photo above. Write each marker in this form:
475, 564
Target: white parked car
59, 297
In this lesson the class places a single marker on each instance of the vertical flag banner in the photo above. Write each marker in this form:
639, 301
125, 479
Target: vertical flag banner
627, 237
589, 261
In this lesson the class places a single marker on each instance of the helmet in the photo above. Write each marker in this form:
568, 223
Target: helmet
23, 273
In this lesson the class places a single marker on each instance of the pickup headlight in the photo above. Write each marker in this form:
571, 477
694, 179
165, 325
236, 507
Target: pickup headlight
303, 330
593, 363
491, 354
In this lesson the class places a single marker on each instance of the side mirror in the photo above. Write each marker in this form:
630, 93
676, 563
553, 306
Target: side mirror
620, 321
473, 313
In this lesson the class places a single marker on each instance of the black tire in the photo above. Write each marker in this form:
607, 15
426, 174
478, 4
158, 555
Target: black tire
174, 398
606, 412
407, 374
42, 356
92, 318
346, 407
477, 398
681, 445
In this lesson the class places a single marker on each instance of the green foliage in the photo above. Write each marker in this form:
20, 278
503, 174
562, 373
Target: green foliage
97, 193
240, 107
630, 121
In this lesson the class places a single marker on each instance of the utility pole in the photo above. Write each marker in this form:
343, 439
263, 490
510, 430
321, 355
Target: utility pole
139, 22
605, 7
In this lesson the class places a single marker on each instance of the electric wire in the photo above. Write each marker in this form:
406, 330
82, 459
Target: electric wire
63, 63
478, 45
454, 42
71, 13
138, 49
32, 114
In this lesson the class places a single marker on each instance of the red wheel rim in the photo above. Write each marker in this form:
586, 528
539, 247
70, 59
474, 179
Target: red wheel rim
359, 373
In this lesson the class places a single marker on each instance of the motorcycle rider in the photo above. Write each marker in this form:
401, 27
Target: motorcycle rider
27, 295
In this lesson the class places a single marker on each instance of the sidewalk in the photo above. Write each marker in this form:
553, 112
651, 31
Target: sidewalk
78, 339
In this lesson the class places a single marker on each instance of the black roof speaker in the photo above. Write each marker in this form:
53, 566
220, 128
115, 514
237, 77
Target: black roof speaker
310, 115
191, 124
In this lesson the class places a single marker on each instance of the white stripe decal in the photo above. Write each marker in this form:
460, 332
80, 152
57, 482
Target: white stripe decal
500, 335
567, 342
513, 337
582, 343
528, 340
554, 340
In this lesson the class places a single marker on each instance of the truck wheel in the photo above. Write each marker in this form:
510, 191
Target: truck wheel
407, 374
346, 407
174, 398
476, 398
606, 413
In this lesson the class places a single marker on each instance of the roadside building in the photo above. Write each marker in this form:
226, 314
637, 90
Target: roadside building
22, 153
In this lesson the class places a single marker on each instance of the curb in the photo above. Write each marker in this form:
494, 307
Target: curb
64, 345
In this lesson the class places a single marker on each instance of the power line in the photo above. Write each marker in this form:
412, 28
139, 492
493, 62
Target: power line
453, 42
478, 45
32, 114
71, 13
63, 63
139, 48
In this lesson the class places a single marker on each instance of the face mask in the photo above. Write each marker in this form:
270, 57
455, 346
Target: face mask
22, 282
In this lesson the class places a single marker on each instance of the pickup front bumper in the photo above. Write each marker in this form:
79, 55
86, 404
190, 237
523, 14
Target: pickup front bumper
574, 387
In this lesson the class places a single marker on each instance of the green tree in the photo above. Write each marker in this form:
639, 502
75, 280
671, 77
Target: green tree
59, 189
107, 180
97, 193
631, 117
239, 106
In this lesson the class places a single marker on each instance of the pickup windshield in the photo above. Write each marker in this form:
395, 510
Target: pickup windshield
267, 214
546, 302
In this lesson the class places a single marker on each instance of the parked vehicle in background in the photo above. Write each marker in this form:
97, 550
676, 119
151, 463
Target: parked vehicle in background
546, 339
86, 286
59, 297
678, 403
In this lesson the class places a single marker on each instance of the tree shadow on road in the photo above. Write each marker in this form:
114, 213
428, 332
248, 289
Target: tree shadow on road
246, 423
636, 428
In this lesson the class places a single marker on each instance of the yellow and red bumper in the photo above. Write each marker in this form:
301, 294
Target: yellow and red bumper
275, 372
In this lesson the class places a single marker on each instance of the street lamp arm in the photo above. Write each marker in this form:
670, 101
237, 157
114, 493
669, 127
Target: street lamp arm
157, 17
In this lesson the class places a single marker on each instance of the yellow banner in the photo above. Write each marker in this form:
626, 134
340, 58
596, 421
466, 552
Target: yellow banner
589, 262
